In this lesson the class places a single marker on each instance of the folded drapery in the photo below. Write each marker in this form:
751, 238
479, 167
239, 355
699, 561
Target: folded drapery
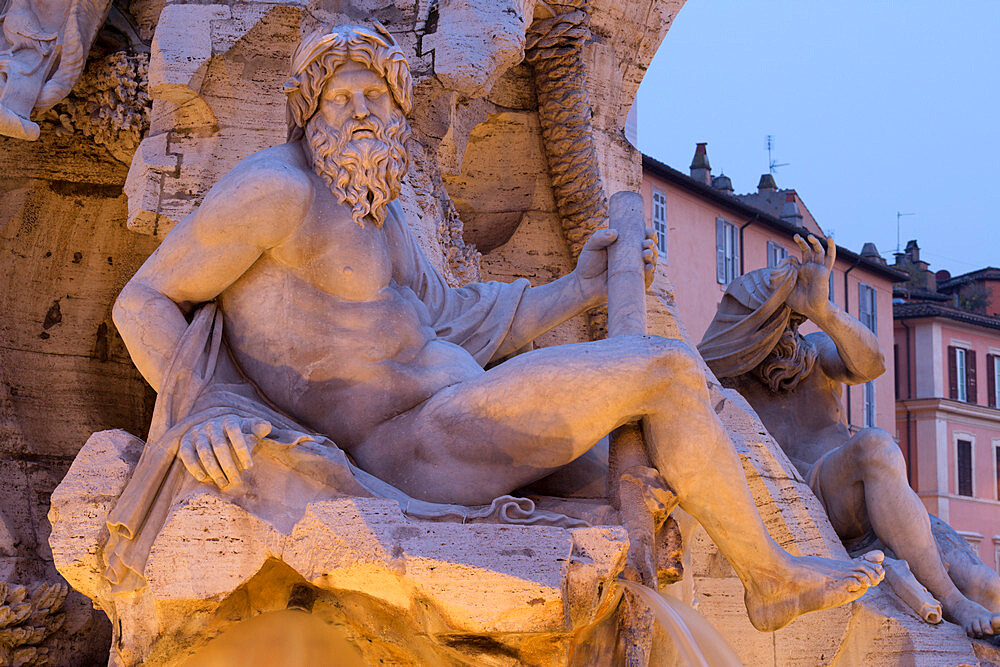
292, 466
750, 320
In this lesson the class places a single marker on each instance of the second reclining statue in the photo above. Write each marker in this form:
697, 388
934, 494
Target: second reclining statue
795, 382
326, 324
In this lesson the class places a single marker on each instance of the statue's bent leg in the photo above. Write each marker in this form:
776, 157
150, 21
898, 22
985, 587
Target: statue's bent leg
540, 410
514, 424
866, 479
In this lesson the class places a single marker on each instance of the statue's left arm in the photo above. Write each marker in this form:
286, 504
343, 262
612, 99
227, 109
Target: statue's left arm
493, 319
849, 351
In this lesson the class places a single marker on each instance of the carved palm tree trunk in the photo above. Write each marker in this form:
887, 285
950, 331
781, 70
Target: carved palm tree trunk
554, 48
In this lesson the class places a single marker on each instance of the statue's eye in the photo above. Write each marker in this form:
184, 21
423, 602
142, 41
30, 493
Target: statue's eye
340, 98
374, 93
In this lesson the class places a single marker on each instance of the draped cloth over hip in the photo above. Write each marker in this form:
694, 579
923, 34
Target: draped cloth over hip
749, 321
291, 466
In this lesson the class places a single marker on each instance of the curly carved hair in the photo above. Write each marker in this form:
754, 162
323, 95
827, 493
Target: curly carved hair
791, 360
321, 53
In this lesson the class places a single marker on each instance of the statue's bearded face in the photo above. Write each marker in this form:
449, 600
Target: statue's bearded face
791, 360
357, 141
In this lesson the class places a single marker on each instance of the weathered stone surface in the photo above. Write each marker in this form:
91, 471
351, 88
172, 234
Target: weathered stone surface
64, 254
501, 582
476, 42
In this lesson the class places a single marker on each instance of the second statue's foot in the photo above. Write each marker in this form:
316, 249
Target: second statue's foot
19, 127
975, 619
809, 584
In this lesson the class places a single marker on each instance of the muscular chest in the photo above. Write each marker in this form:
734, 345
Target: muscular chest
333, 253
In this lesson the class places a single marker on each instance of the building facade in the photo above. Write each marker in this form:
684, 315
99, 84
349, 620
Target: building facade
708, 236
947, 345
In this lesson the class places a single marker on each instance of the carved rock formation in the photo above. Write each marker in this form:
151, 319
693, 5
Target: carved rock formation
404, 591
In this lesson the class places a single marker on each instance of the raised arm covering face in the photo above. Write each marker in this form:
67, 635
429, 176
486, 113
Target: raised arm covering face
749, 321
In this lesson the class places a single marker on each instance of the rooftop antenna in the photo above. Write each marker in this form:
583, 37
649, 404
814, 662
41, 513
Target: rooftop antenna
771, 164
898, 216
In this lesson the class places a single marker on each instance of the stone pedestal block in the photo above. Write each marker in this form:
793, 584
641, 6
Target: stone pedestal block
398, 589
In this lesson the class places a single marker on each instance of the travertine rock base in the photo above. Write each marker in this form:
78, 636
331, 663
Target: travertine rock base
399, 590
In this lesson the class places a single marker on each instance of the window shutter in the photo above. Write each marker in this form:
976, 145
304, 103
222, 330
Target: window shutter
991, 381
863, 312
970, 377
720, 250
873, 310
952, 373
736, 250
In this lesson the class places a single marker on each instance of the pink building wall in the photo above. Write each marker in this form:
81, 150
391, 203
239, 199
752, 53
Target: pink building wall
930, 424
690, 266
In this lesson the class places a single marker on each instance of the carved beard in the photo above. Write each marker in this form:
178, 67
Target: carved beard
363, 173
791, 360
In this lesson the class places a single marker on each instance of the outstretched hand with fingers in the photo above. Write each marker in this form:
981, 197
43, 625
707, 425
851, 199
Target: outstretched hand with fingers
219, 449
811, 294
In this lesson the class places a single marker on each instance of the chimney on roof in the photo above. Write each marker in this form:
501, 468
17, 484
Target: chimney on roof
869, 251
913, 251
790, 211
767, 184
701, 170
723, 183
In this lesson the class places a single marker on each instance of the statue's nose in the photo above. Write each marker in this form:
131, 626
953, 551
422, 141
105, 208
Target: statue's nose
359, 109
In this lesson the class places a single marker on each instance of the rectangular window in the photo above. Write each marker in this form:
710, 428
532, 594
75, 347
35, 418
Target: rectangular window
775, 253
727, 251
964, 452
660, 221
962, 374
867, 311
992, 381
831, 285
996, 457
869, 404
868, 314
963, 387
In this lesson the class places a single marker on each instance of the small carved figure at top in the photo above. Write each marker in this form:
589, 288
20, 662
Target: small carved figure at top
43, 48
795, 384
335, 334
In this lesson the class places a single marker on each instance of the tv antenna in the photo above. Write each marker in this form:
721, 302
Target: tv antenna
898, 216
772, 165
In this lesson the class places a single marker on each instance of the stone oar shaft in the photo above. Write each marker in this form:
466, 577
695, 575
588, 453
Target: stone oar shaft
626, 315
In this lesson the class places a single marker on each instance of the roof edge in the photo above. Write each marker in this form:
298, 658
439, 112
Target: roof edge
685, 181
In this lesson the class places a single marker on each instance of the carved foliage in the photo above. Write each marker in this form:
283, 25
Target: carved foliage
27, 619
110, 104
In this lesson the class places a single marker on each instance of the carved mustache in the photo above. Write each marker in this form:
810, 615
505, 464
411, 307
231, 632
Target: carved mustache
375, 128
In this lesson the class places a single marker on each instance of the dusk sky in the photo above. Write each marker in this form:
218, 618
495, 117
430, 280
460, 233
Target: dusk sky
878, 106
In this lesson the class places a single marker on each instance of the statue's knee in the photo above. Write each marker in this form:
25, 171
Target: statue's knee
876, 451
672, 361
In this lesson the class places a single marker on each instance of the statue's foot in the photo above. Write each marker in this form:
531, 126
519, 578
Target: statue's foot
19, 127
972, 617
810, 584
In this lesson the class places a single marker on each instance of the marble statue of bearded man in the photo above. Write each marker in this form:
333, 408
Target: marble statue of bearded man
335, 327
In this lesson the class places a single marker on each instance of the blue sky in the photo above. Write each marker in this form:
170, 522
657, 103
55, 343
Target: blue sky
878, 106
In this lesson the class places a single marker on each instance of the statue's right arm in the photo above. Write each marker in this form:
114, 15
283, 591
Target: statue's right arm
252, 209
